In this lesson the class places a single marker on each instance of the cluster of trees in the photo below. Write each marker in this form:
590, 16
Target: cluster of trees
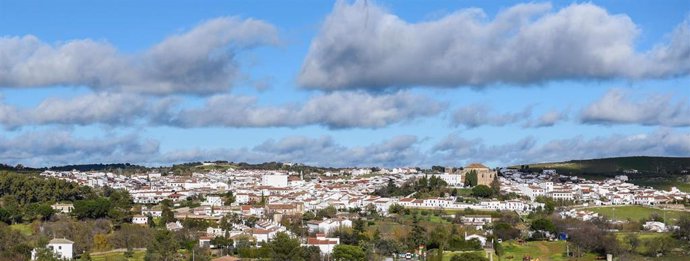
115, 204
424, 187
25, 189
26, 197
283, 247
471, 178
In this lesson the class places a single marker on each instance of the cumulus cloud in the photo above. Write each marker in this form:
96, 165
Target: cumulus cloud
59, 147
617, 106
365, 46
548, 119
200, 60
476, 115
334, 110
112, 109
322, 151
338, 110
663, 142
46, 148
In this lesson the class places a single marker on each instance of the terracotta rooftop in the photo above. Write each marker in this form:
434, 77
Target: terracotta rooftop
476, 166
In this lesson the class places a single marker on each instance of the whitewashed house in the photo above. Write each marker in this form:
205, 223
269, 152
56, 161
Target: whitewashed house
60, 246
325, 244
140, 220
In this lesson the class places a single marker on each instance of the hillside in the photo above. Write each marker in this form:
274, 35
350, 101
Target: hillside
647, 166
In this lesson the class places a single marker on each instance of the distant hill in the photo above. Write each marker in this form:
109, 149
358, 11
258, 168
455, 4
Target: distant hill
648, 166
100, 167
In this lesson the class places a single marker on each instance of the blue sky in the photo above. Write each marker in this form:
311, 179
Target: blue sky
349, 83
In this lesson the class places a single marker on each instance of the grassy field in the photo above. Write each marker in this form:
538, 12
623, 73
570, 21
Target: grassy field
544, 250
635, 212
25, 229
118, 256
447, 255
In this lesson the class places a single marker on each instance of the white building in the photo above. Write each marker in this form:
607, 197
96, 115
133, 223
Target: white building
63, 207
140, 220
214, 201
453, 180
60, 246
275, 180
549, 172
655, 226
328, 225
325, 244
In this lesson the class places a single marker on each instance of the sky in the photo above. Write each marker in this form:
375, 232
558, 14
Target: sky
344, 83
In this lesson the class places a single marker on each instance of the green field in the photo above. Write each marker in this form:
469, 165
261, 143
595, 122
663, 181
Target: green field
447, 255
635, 212
543, 250
25, 229
118, 256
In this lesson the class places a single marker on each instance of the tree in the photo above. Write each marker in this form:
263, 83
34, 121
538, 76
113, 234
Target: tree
498, 248
471, 179
549, 204
328, 212
543, 224
633, 240
496, 186
683, 231
417, 236
229, 198
92, 208
100, 242
396, 209
470, 256
285, 248
222, 242
163, 248
506, 231
658, 246
348, 253
5, 216
311, 253
482, 191
167, 215
44, 254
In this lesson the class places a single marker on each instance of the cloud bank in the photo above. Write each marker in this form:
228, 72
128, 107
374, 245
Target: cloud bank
618, 106
338, 110
364, 46
47, 148
198, 61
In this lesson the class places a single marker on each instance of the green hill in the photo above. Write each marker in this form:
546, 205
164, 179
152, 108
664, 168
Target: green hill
647, 166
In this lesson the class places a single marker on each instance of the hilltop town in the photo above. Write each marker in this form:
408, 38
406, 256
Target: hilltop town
241, 213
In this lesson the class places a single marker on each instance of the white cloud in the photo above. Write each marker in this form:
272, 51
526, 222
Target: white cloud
111, 109
47, 148
663, 142
548, 119
476, 115
334, 110
58, 147
322, 151
618, 106
199, 61
365, 46
338, 110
